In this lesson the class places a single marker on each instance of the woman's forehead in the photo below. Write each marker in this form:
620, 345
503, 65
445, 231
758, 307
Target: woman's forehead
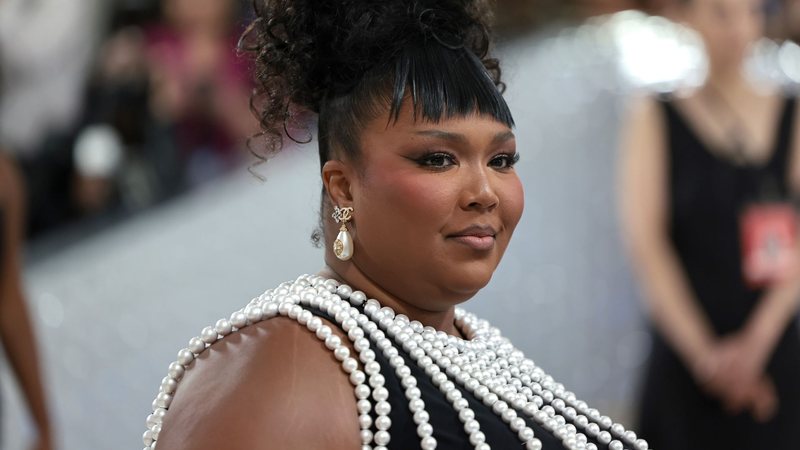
458, 129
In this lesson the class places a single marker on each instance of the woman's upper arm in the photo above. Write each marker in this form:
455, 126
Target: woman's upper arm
272, 385
642, 174
12, 207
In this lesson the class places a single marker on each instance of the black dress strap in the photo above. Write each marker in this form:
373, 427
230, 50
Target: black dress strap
784, 137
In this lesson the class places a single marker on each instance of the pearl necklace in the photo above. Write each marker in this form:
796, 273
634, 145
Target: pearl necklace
485, 364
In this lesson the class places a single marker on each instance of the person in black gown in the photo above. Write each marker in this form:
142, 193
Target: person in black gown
699, 174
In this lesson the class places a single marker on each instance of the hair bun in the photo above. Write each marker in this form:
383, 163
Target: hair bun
352, 37
306, 50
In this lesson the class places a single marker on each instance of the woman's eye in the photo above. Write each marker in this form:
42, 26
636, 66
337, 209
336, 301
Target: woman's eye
437, 160
504, 161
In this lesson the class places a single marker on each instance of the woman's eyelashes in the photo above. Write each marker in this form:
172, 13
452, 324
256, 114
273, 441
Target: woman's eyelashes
504, 161
439, 160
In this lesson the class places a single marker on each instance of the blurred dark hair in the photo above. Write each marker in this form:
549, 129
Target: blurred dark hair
349, 61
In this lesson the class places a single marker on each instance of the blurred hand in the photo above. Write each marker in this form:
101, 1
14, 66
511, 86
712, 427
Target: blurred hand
763, 403
742, 364
733, 371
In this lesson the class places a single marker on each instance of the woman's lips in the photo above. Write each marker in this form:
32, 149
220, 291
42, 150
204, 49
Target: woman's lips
481, 243
479, 237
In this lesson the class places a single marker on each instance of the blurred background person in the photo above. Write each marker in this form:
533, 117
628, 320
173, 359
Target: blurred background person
706, 181
151, 99
16, 332
46, 52
171, 91
199, 85
167, 106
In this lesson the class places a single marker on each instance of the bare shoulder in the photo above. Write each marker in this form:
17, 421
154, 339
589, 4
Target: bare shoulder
272, 385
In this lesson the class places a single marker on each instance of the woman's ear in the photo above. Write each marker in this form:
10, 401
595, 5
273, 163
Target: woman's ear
337, 177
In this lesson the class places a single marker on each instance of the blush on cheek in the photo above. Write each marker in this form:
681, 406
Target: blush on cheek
399, 231
402, 214
422, 199
512, 202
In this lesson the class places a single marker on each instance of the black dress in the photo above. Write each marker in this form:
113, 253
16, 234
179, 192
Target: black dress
447, 428
707, 193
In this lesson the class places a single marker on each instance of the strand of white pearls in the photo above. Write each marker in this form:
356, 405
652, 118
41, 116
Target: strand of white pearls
413, 394
447, 356
392, 323
485, 364
285, 303
498, 392
508, 374
286, 300
493, 382
319, 297
433, 348
433, 351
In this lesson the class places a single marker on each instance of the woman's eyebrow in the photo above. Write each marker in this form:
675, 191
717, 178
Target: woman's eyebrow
461, 138
443, 135
503, 136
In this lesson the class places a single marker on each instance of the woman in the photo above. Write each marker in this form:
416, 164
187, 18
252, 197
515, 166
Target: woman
420, 199
706, 181
15, 327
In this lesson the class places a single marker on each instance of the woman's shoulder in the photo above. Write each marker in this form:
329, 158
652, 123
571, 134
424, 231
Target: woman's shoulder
253, 383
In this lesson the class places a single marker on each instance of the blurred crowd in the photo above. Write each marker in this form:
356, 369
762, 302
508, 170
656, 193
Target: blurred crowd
111, 107
108, 108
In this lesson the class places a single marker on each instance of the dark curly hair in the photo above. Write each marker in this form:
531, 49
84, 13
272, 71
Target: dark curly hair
347, 61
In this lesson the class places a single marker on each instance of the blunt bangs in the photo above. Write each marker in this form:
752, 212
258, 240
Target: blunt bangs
441, 82
445, 83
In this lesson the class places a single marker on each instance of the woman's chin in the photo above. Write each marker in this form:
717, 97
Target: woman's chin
467, 284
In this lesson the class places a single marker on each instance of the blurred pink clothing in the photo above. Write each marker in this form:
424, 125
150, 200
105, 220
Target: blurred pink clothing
198, 121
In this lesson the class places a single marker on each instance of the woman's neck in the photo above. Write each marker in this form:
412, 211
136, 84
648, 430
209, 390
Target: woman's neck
730, 80
350, 274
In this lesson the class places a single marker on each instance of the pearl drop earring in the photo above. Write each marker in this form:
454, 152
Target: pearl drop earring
343, 245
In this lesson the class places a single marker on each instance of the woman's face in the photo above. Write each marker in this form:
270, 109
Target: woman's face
435, 205
206, 14
728, 27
